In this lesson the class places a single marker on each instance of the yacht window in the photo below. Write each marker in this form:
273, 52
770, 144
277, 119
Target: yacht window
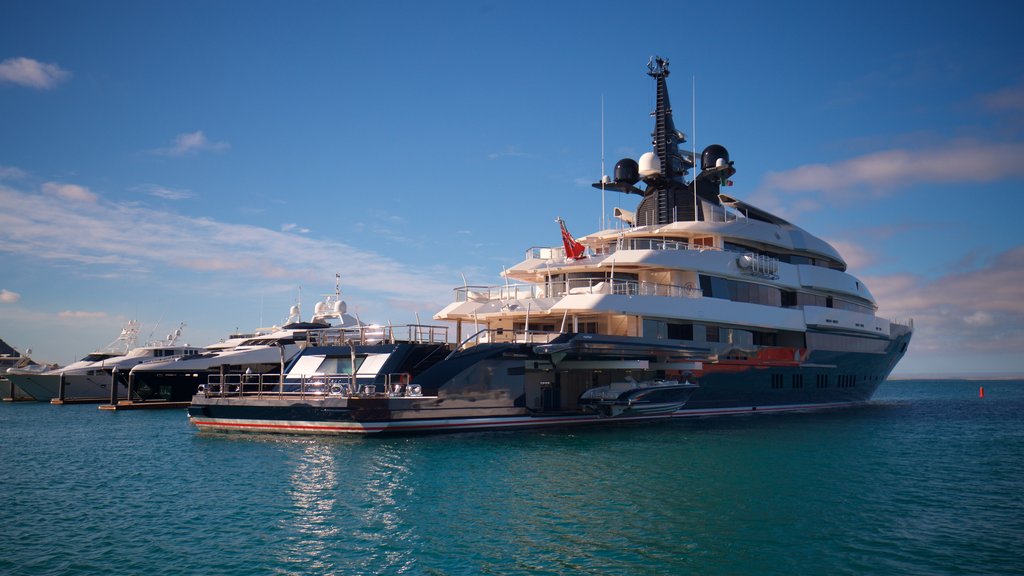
680, 331
655, 329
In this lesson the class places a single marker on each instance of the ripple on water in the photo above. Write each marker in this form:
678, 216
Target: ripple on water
924, 481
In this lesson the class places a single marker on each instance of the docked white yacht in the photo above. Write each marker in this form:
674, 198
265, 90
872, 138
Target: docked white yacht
13, 359
92, 376
265, 352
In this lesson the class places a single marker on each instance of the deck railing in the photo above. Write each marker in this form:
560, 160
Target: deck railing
574, 286
557, 253
362, 335
397, 385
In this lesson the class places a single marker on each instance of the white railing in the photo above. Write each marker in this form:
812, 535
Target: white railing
557, 253
574, 286
418, 333
397, 385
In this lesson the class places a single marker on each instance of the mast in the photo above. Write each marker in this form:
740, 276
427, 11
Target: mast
668, 197
665, 191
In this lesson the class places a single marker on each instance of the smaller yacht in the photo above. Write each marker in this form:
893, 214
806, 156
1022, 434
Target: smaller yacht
265, 352
11, 359
92, 376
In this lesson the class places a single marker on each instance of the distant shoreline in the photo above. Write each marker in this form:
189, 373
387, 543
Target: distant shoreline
968, 376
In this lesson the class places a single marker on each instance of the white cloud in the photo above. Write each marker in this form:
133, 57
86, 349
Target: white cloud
32, 73
8, 297
191, 143
166, 193
78, 314
12, 173
979, 310
856, 257
980, 319
806, 188
292, 227
72, 192
881, 172
510, 151
1011, 99
132, 239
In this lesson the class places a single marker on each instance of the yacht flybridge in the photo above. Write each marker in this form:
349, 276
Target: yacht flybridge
696, 303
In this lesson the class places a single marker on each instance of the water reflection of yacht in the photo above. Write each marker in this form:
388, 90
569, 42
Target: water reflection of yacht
693, 288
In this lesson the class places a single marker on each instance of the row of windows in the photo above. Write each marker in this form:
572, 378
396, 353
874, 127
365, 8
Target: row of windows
788, 258
663, 329
740, 291
821, 381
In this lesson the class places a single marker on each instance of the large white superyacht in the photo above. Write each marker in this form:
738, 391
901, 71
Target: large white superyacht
697, 303
764, 311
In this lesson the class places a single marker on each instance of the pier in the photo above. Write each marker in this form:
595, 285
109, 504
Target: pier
143, 405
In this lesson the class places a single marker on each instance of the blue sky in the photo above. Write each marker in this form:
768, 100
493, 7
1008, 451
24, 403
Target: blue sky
198, 162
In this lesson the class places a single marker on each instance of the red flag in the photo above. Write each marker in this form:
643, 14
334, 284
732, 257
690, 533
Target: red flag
573, 249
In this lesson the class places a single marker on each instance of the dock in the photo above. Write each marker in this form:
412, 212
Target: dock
151, 405
62, 401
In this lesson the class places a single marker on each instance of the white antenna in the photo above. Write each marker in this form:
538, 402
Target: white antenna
693, 144
603, 209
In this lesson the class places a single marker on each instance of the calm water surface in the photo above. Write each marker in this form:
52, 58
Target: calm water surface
928, 479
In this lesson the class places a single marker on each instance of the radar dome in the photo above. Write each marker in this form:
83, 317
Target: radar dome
627, 171
650, 165
714, 156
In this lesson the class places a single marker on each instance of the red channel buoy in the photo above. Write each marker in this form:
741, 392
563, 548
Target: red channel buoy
981, 392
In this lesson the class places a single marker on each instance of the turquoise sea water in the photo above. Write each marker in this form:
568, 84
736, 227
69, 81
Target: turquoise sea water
928, 479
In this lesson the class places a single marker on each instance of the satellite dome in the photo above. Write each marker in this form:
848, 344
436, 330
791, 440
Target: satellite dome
627, 171
650, 165
714, 156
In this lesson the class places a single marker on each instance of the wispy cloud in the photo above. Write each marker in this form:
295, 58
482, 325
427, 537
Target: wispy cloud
292, 227
191, 143
8, 297
1007, 99
980, 309
879, 174
132, 239
855, 255
32, 73
510, 151
78, 314
12, 173
165, 193
72, 192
